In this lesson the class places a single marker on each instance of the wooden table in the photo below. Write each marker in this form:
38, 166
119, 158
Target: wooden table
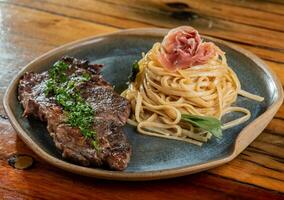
29, 28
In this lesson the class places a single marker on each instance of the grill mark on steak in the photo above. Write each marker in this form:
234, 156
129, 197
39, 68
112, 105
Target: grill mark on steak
112, 112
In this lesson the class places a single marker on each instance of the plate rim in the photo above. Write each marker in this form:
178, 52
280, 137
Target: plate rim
241, 142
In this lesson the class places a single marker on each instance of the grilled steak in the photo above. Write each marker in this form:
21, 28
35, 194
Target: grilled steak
111, 113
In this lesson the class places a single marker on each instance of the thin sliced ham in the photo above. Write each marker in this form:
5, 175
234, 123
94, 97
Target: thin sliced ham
182, 47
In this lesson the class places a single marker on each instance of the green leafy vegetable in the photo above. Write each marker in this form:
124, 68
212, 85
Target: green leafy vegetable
57, 72
209, 124
134, 71
79, 113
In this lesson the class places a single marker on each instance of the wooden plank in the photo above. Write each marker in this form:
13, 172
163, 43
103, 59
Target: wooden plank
262, 163
242, 15
153, 14
280, 115
78, 12
278, 69
7, 194
201, 20
276, 126
60, 184
271, 6
252, 172
48, 27
266, 53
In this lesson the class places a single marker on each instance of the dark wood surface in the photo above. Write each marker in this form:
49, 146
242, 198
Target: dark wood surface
29, 28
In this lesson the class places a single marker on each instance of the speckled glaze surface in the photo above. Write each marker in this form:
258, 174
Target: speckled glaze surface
152, 157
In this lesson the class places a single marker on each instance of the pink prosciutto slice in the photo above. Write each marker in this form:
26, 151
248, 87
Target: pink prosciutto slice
182, 47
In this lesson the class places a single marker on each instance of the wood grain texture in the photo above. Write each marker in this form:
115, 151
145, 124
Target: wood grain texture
242, 15
29, 28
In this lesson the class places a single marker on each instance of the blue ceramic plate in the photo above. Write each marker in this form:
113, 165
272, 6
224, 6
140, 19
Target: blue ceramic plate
152, 158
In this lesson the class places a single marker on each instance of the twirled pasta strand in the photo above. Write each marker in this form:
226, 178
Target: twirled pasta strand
159, 97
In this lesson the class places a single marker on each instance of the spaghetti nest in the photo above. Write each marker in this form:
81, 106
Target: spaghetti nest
159, 97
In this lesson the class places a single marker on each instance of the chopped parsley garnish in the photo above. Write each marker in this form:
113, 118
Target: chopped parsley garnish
79, 113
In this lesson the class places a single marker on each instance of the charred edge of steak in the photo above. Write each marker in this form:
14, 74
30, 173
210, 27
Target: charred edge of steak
112, 112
